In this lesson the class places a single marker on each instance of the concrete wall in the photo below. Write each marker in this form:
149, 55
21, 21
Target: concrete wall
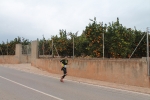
9, 60
25, 58
17, 58
34, 50
129, 72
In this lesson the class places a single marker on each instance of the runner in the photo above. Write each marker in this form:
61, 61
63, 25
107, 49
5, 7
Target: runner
64, 68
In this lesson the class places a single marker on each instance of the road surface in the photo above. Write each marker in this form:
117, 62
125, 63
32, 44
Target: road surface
20, 85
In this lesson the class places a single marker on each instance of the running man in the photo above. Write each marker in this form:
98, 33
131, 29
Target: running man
64, 68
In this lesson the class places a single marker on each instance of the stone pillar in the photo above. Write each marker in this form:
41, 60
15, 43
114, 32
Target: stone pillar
34, 50
18, 52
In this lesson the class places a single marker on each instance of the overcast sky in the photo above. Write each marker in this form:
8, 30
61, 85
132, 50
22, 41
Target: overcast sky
31, 19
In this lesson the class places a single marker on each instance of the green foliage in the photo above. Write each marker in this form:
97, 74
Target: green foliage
44, 47
61, 44
9, 47
81, 45
119, 42
94, 32
141, 49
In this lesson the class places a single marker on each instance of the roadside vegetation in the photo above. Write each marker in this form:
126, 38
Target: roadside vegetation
119, 42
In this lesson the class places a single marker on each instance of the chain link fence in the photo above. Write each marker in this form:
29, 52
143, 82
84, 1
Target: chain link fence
26, 49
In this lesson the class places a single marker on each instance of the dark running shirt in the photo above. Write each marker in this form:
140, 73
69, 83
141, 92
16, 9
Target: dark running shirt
64, 61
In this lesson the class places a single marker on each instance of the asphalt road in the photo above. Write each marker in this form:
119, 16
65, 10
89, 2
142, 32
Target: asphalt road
19, 85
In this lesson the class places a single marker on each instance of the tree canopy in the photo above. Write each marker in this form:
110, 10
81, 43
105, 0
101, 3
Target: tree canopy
119, 42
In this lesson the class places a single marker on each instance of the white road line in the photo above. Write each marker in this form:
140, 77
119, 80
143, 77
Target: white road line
31, 88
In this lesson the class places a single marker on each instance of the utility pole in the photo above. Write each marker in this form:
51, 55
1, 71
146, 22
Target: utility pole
7, 46
52, 49
38, 48
73, 42
103, 45
43, 46
73, 47
148, 67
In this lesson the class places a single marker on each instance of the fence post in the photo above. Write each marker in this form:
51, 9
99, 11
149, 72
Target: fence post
52, 49
73, 47
148, 67
7, 46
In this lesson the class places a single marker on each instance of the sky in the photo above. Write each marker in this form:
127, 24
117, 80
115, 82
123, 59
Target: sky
32, 19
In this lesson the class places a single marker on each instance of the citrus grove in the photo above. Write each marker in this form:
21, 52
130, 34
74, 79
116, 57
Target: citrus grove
119, 42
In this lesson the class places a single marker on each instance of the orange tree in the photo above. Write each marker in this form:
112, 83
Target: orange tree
78, 44
61, 43
81, 45
3, 50
118, 43
141, 48
9, 47
64, 43
93, 33
44, 47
